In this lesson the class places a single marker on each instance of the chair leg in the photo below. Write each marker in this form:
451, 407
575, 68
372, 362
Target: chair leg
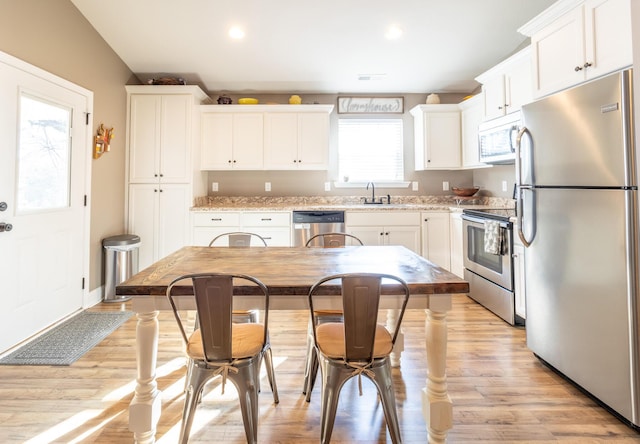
268, 360
197, 379
333, 378
312, 372
384, 382
245, 382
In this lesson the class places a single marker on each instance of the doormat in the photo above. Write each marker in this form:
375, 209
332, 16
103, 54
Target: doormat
67, 342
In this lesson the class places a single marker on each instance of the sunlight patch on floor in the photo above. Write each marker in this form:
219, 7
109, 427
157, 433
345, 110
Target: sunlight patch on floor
54, 433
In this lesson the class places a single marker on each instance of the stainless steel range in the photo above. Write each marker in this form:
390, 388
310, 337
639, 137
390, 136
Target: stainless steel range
488, 261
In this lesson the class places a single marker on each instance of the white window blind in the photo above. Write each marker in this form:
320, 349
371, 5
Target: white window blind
370, 150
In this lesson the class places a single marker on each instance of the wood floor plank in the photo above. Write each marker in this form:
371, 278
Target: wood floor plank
501, 393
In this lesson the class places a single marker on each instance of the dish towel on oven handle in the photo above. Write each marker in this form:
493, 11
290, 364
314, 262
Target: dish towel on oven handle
493, 239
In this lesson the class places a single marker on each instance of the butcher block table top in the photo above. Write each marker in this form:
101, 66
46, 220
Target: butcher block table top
292, 271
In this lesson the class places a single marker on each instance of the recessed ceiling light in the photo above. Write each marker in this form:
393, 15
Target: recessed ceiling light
393, 32
371, 76
236, 33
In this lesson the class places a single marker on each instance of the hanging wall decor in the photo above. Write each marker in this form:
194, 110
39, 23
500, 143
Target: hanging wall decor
102, 141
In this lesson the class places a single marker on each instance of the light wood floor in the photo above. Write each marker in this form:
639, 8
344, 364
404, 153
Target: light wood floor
501, 393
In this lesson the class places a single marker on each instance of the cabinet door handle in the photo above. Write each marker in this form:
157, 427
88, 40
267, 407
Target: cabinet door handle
216, 219
587, 64
578, 68
161, 175
426, 220
266, 219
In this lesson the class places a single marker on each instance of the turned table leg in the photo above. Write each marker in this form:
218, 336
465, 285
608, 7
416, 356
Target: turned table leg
437, 408
144, 410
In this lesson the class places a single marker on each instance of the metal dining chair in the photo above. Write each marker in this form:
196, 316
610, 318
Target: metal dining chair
238, 239
358, 346
242, 239
332, 240
325, 240
220, 347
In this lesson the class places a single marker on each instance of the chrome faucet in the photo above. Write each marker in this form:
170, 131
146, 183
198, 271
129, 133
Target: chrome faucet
373, 195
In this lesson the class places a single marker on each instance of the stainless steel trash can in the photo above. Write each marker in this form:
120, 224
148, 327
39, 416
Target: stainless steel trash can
120, 263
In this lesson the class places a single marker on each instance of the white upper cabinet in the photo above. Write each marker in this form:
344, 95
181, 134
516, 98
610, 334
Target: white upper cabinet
437, 137
507, 86
578, 40
231, 141
297, 140
265, 137
471, 115
160, 138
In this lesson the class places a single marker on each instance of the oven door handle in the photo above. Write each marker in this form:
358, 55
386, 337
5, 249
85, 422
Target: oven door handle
480, 220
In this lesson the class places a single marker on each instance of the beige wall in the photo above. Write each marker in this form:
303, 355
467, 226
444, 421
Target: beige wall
54, 36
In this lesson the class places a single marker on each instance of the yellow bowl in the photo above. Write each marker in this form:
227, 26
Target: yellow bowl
247, 101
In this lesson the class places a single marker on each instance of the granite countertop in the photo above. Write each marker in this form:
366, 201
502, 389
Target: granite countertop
310, 203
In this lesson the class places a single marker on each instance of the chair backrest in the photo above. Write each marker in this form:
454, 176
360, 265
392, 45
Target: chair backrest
332, 240
360, 303
239, 239
213, 294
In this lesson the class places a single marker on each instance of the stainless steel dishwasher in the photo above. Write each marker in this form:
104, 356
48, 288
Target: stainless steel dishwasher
310, 223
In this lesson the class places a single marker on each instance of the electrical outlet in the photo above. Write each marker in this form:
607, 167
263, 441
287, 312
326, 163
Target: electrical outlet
504, 185
214, 186
267, 186
445, 185
327, 186
414, 186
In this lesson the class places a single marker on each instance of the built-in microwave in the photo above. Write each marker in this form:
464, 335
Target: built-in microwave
497, 139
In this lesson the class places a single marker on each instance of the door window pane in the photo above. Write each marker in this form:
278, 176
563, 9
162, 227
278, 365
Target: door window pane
44, 155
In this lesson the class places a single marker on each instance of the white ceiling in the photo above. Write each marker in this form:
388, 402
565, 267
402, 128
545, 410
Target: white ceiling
309, 46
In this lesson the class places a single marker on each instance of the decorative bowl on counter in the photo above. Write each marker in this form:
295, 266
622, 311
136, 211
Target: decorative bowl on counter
465, 192
248, 101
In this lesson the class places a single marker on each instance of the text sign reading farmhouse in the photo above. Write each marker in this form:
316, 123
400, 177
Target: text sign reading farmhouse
359, 105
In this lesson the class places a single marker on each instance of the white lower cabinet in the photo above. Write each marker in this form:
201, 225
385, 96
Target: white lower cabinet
207, 225
456, 242
385, 228
435, 238
274, 227
159, 214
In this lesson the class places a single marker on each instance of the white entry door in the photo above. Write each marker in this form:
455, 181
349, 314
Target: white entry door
43, 166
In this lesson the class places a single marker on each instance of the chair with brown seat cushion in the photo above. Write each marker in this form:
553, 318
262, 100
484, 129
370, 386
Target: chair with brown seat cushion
243, 239
220, 347
324, 240
358, 346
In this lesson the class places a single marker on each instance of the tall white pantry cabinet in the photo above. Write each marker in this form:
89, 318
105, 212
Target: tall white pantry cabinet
163, 169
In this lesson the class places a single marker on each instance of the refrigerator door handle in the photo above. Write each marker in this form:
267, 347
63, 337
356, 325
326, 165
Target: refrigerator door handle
521, 134
520, 213
520, 188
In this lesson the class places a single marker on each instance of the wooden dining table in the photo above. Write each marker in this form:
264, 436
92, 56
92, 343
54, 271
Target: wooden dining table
289, 273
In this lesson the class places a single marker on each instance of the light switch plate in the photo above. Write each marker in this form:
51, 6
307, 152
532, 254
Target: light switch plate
327, 186
267, 186
414, 186
504, 185
214, 186
445, 186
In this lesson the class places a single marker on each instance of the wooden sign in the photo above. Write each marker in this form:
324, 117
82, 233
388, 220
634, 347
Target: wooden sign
370, 105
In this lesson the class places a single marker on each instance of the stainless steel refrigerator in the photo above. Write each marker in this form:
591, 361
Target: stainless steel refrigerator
577, 202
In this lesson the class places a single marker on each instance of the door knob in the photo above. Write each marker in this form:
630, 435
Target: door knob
3, 206
5, 227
